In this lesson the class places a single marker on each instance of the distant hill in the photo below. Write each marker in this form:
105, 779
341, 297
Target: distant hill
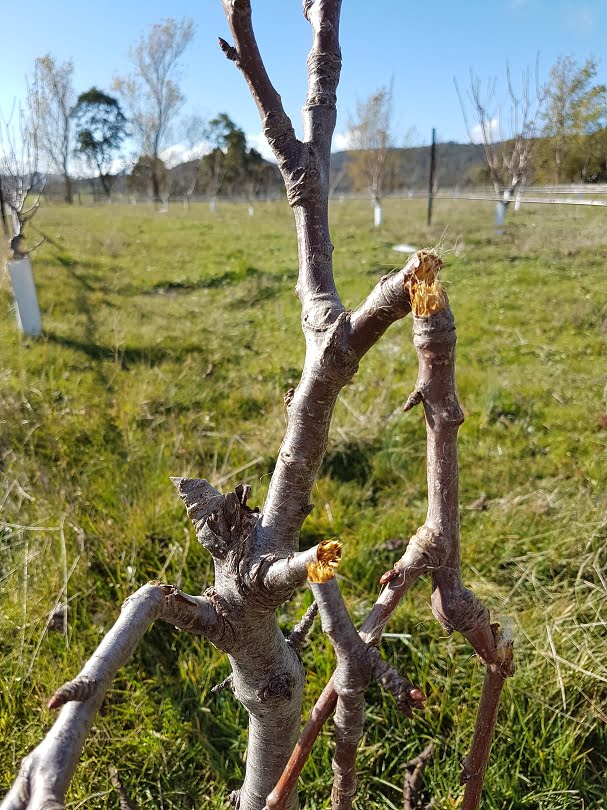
455, 163
410, 167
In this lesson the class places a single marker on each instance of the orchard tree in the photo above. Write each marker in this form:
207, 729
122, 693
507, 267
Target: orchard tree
255, 552
100, 130
508, 131
370, 136
151, 94
51, 101
21, 182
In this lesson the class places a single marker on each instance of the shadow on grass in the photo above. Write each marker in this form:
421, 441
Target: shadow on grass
124, 356
177, 286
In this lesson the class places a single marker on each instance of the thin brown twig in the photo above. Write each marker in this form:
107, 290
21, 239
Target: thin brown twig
414, 770
475, 764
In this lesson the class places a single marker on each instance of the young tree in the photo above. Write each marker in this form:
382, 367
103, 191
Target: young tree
20, 187
255, 553
52, 100
576, 109
194, 130
370, 139
100, 130
22, 183
509, 136
151, 94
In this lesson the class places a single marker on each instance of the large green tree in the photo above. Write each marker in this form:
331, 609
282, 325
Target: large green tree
576, 110
100, 131
230, 166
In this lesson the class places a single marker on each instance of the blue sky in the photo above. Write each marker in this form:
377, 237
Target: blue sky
420, 45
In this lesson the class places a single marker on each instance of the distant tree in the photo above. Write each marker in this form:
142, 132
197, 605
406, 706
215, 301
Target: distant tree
576, 109
510, 141
150, 177
194, 130
225, 161
51, 101
100, 130
260, 176
370, 139
151, 94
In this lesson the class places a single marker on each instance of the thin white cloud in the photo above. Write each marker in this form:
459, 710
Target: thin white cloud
341, 141
259, 142
493, 130
180, 153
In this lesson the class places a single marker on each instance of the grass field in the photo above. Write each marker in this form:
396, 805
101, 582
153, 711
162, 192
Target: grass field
169, 342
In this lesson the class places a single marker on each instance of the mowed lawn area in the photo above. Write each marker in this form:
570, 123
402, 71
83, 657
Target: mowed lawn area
169, 343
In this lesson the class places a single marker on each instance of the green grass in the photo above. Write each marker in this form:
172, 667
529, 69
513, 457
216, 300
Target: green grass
169, 342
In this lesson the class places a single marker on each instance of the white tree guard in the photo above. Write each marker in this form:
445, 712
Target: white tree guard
378, 215
26, 298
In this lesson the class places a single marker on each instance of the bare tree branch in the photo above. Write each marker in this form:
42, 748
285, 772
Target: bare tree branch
357, 663
475, 764
414, 770
47, 771
435, 546
298, 634
277, 126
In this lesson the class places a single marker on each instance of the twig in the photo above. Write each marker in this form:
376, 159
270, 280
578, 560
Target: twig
414, 770
475, 764
298, 634
125, 802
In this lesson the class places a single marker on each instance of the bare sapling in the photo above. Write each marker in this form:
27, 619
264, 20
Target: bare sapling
257, 564
370, 135
509, 134
22, 185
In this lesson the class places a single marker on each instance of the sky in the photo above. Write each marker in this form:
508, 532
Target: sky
419, 46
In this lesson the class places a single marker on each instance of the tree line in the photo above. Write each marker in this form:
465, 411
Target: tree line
93, 127
551, 134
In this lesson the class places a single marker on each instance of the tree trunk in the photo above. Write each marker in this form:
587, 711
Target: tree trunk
69, 194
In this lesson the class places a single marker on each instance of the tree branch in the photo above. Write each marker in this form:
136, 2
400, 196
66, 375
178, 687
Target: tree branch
286, 573
357, 663
435, 546
414, 770
387, 303
324, 67
475, 764
47, 771
277, 126
351, 678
